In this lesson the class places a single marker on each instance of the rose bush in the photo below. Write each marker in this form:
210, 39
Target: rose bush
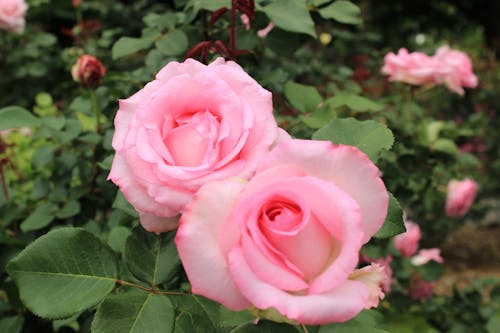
460, 196
12, 13
289, 239
193, 124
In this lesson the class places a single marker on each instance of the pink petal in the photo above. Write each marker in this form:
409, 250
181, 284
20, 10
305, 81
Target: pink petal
202, 239
373, 277
158, 224
425, 255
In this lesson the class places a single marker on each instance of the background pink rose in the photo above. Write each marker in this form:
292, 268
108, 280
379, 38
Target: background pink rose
414, 68
12, 14
460, 196
407, 242
289, 239
425, 255
455, 69
193, 124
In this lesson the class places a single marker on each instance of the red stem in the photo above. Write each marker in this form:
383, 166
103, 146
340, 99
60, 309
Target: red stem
232, 40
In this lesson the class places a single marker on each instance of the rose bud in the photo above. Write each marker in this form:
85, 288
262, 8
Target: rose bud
88, 70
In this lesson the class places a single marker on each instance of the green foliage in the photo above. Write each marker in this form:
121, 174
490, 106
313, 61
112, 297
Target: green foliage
369, 136
15, 116
290, 15
303, 98
342, 11
393, 224
366, 321
64, 272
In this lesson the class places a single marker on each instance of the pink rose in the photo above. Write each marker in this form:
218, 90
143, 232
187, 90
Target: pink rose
407, 242
455, 69
426, 255
289, 239
88, 70
414, 68
419, 289
193, 124
460, 196
12, 14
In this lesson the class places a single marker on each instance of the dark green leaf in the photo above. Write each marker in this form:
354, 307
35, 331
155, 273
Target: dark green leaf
366, 321
11, 324
354, 102
71, 208
393, 224
343, 12
40, 217
64, 272
369, 136
122, 204
151, 258
291, 15
304, 98
134, 312
16, 116
127, 45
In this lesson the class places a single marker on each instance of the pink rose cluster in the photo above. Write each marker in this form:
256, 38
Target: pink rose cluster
407, 244
267, 222
12, 13
460, 196
450, 67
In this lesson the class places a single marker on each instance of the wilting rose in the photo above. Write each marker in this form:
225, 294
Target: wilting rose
407, 242
415, 68
425, 255
88, 70
289, 239
460, 196
12, 13
193, 124
455, 69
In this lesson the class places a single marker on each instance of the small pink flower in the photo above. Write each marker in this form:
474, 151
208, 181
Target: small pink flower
193, 124
386, 264
455, 69
460, 196
88, 70
262, 33
414, 68
407, 242
12, 13
289, 238
426, 255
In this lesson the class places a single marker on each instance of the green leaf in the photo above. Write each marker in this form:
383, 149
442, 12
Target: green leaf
127, 45
134, 312
197, 314
173, 43
12, 324
291, 15
40, 217
266, 326
151, 258
369, 136
343, 12
304, 98
394, 223
353, 102
117, 238
16, 116
366, 321
43, 155
211, 5
445, 146
122, 204
71, 208
64, 272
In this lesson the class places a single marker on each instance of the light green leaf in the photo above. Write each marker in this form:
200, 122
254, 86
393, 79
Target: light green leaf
343, 12
173, 43
134, 312
40, 217
211, 5
291, 15
16, 116
445, 146
64, 272
353, 102
369, 136
304, 98
151, 258
393, 224
128, 45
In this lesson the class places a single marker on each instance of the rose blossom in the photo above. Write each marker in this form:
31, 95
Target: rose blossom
460, 196
289, 239
407, 242
419, 289
414, 68
88, 70
193, 124
455, 69
12, 13
425, 255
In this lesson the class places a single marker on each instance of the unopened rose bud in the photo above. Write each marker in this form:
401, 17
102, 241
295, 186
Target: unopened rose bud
88, 70
76, 3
